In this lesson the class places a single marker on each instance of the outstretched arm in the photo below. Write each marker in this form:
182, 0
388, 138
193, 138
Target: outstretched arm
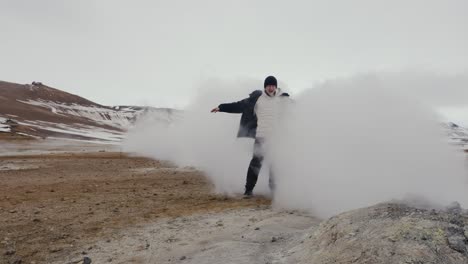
240, 106
233, 108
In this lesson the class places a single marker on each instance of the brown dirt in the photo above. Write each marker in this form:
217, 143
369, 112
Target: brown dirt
59, 203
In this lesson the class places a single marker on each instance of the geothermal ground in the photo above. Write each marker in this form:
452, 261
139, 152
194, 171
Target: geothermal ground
75, 202
58, 206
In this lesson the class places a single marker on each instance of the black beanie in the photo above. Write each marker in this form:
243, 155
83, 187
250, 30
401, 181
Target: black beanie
270, 80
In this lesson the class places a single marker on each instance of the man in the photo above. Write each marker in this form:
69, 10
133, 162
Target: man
260, 114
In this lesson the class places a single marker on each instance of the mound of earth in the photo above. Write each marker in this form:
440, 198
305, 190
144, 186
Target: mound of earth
388, 233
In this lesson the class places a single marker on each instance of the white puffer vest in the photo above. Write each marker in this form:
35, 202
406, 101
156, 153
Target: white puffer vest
268, 111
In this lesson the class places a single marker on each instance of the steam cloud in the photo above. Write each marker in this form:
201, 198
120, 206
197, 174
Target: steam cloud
344, 144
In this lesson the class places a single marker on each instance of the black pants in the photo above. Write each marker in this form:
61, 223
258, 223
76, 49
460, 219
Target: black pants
256, 165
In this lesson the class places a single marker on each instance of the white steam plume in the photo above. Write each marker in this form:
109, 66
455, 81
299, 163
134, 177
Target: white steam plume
344, 144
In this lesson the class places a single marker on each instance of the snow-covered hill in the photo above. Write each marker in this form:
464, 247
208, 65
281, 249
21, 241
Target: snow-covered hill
41, 111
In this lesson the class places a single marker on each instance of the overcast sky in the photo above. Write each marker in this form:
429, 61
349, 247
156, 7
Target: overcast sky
155, 52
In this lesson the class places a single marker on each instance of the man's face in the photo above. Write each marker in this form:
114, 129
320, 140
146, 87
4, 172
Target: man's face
270, 89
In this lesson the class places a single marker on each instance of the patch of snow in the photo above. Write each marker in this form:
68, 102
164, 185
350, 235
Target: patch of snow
107, 116
27, 135
119, 117
53, 109
83, 130
31, 122
100, 142
4, 127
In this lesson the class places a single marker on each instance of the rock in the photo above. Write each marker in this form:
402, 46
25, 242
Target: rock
388, 233
458, 243
257, 228
86, 260
55, 249
10, 252
274, 239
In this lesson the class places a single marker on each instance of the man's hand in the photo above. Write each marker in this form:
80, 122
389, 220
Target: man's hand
215, 110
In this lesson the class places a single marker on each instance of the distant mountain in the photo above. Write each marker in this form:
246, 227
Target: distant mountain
37, 110
457, 134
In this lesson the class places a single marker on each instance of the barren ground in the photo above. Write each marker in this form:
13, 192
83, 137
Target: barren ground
55, 205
